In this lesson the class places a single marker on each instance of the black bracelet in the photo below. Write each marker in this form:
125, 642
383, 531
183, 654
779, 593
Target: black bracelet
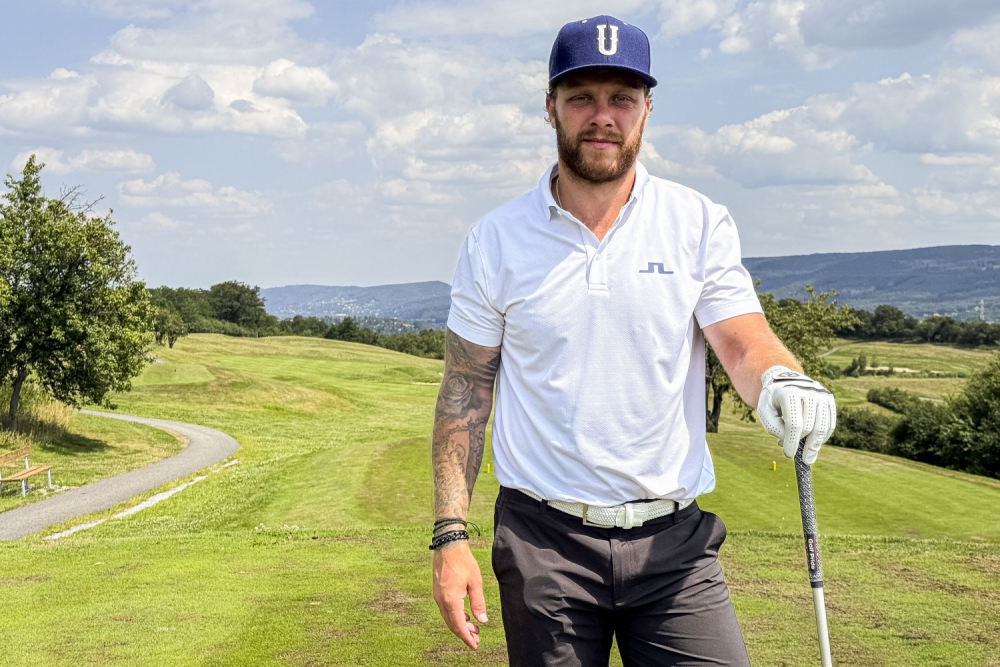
446, 538
440, 524
452, 520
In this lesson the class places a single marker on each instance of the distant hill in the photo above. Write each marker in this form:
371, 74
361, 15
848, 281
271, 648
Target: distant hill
944, 280
423, 302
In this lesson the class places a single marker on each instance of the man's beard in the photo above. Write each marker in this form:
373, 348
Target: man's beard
571, 154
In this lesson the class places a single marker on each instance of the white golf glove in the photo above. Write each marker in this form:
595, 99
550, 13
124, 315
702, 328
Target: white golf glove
793, 406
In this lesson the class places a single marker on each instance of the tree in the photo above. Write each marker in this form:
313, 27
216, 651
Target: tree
805, 328
169, 326
303, 326
976, 440
73, 314
346, 330
891, 322
239, 303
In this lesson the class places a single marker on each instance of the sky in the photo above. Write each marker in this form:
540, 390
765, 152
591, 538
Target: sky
281, 142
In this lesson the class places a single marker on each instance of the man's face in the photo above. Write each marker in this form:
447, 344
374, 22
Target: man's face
599, 118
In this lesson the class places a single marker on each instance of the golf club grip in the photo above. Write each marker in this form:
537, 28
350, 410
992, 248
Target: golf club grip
807, 506
803, 475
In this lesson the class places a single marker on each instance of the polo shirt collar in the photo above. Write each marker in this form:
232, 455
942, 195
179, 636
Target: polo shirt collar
545, 187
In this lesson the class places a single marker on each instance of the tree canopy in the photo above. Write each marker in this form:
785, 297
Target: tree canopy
804, 327
71, 312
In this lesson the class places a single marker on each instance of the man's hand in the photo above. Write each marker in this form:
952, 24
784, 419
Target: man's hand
791, 406
456, 574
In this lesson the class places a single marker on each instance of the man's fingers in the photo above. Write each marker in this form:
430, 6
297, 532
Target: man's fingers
791, 415
769, 419
820, 433
458, 622
810, 405
477, 602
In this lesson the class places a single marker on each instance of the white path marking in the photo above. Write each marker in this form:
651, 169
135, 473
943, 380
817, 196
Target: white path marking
149, 502
75, 529
152, 500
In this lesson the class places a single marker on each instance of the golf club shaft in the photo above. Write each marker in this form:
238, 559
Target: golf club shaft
803, 475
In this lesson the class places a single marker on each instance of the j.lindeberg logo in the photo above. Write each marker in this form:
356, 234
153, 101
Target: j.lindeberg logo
611, 50
659, 268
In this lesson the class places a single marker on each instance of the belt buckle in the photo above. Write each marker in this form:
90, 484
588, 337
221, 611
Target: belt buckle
587, 523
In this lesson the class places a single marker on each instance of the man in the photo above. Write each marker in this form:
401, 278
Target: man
591, 298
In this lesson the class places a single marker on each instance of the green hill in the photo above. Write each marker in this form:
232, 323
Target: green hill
312, 549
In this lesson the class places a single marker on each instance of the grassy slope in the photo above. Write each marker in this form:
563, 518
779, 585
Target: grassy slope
334, 465
918, 356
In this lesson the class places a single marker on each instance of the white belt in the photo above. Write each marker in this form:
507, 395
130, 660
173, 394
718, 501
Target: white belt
628, 515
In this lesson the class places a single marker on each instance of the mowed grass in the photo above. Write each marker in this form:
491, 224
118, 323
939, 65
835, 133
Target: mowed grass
916, 356
312, 549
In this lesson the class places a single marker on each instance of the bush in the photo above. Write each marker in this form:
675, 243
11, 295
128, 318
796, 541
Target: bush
976, 435
857, 367
863, 429
926, 434
893, 399
40, 418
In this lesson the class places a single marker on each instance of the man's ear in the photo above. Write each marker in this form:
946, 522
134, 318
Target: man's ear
550, 106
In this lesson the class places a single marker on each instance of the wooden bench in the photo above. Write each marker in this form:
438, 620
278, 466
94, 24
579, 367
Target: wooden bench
23, 475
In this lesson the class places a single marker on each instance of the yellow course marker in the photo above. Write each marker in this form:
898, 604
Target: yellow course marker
774, 465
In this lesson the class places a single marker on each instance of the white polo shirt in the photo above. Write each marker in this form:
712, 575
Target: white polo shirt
600, 393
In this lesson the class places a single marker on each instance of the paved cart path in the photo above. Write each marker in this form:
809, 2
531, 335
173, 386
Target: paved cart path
205, 447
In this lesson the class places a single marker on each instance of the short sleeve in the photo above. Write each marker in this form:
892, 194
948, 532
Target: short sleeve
728, 290
472, 315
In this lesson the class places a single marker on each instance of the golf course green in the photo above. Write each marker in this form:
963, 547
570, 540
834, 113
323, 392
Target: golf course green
312, 549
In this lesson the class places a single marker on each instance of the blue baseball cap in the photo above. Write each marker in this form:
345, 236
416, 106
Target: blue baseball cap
602, 41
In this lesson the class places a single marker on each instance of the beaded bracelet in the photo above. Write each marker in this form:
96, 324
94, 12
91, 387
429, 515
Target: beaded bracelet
446, 538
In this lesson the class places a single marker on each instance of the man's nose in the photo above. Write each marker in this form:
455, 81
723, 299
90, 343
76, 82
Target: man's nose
602, 114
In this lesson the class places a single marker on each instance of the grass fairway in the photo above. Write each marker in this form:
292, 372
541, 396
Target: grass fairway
917, 356
312, 549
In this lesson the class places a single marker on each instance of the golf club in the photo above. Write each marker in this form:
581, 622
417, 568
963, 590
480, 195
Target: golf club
803, 476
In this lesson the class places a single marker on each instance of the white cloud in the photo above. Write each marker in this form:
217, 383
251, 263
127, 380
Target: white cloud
974, 205
859, 24
324, 141
122, 160
134, 9
681, 17
170, 190
951, 111
307, 85
820, 33
57, 102
505, 19
958, 160
50, 157
782, 147
194, 72
773, 26
225, 12
192, 93
158, 221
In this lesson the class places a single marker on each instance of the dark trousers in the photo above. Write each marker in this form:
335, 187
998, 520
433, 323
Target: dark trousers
566, 589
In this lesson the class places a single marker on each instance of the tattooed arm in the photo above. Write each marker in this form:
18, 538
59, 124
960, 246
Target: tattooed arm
463, 408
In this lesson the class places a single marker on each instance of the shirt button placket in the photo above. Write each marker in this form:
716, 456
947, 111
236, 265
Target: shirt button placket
599, 271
